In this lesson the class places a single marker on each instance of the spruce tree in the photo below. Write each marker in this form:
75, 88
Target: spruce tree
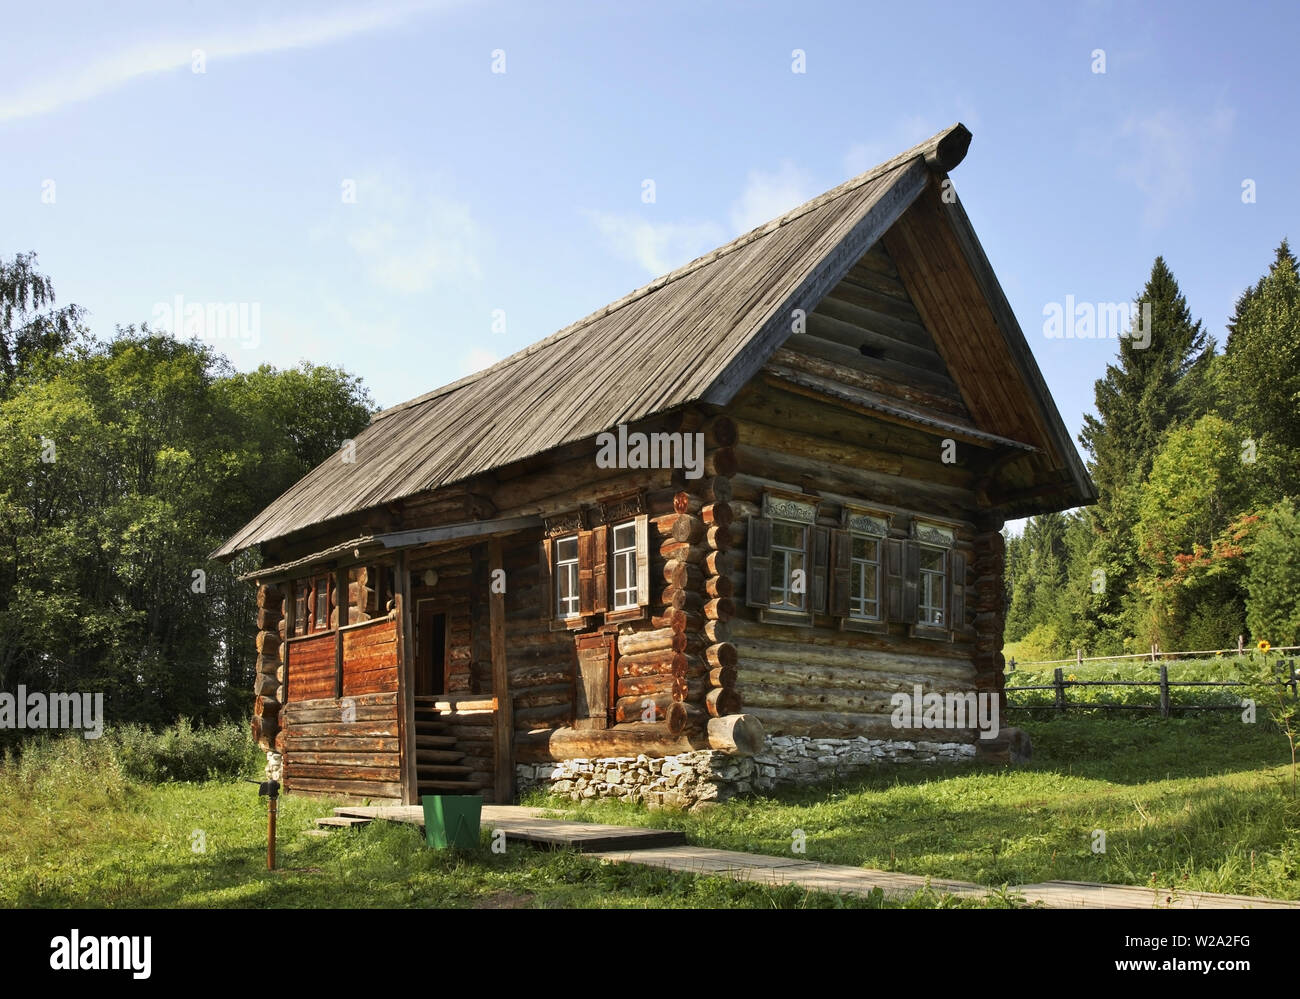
1261, 371
1153, 386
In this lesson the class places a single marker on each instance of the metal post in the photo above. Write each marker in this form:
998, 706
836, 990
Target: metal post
270, 833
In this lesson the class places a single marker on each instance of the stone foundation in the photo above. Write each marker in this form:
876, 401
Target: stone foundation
703, 777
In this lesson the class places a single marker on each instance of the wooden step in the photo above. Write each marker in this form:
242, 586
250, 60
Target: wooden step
434, 741
441, 769
451, 786
341, 821
438, 756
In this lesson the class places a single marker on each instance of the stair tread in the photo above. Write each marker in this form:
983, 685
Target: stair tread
434, 740
438, 756
442, 768
447, 785
342, 821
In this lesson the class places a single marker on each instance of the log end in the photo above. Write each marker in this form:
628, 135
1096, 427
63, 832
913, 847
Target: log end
741, 735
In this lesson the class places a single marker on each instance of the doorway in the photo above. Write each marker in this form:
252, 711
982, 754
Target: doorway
430, 650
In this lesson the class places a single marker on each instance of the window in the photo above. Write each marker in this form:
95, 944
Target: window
301, 592
787, 561
625, 565
566, 576
933, 585
321, 597
864, 578
789, 545
599, 573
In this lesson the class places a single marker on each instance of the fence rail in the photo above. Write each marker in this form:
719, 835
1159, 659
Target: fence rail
1165, 706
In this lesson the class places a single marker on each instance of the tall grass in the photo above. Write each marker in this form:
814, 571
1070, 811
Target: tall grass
70, 765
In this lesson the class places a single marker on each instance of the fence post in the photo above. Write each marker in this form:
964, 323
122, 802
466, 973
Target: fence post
1291, 679
1060, 689
1153, 652
1078, 658
1164, 691
1241, 645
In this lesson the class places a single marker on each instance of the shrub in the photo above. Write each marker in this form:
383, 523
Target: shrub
1273, 579
185, 753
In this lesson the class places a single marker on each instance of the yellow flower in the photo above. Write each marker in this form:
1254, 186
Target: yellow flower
1071, 677
1263, 645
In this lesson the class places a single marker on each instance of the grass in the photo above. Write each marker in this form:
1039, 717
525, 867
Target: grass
1195, 803
76, 831
1180, 671
1186, 803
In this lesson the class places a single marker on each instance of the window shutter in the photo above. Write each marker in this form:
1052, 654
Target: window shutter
586, 572
893, 558
956, 590
841, 572
821, 556
600, 569
547, 580
911, 579
758, 563
642, 560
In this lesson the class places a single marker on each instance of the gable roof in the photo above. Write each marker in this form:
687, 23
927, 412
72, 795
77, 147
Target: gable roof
697, 334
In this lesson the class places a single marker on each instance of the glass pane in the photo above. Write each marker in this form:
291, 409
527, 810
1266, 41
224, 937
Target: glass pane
787, 535
932, 558
864, 548
624, 537
869, 587
566, 549
621, 566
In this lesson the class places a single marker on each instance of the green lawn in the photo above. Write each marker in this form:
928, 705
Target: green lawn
75, 833
1197, 803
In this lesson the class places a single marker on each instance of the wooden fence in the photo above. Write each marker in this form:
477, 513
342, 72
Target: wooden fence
1165, 706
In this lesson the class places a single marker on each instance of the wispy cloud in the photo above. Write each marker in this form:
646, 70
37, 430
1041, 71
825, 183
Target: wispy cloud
407, 237
68, 84
1162, 151
476, 360
768, 195
659, 247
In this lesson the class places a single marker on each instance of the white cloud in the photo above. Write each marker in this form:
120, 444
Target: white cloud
1160, 153
67, 85
476, 360
659, 247
408, 239
769, 195
903, 134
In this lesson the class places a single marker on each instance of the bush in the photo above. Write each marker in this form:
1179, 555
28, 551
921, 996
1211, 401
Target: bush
1042, 642
185, 753
1273, 578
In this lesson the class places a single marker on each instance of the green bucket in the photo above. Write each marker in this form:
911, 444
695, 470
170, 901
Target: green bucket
452, 820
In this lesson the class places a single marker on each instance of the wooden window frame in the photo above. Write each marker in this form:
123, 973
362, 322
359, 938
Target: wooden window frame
568, 620
935, 535
925, 589
798, 510
857, 570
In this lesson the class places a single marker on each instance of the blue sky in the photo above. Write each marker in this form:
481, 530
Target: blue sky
521, 190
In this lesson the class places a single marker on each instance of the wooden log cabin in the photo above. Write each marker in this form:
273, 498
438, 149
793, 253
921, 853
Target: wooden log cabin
755, 497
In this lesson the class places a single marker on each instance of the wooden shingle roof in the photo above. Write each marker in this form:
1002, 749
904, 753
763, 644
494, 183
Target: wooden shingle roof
696, 334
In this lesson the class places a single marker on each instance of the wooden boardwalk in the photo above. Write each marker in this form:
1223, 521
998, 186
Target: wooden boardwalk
525, 824
667, 849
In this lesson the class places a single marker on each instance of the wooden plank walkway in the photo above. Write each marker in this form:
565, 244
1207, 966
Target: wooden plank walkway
835, 878
668, 849
525, 824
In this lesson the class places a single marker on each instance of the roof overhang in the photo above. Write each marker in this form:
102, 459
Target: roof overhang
363, 549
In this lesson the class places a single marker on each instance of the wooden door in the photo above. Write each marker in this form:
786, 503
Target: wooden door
430, 650
595, 682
